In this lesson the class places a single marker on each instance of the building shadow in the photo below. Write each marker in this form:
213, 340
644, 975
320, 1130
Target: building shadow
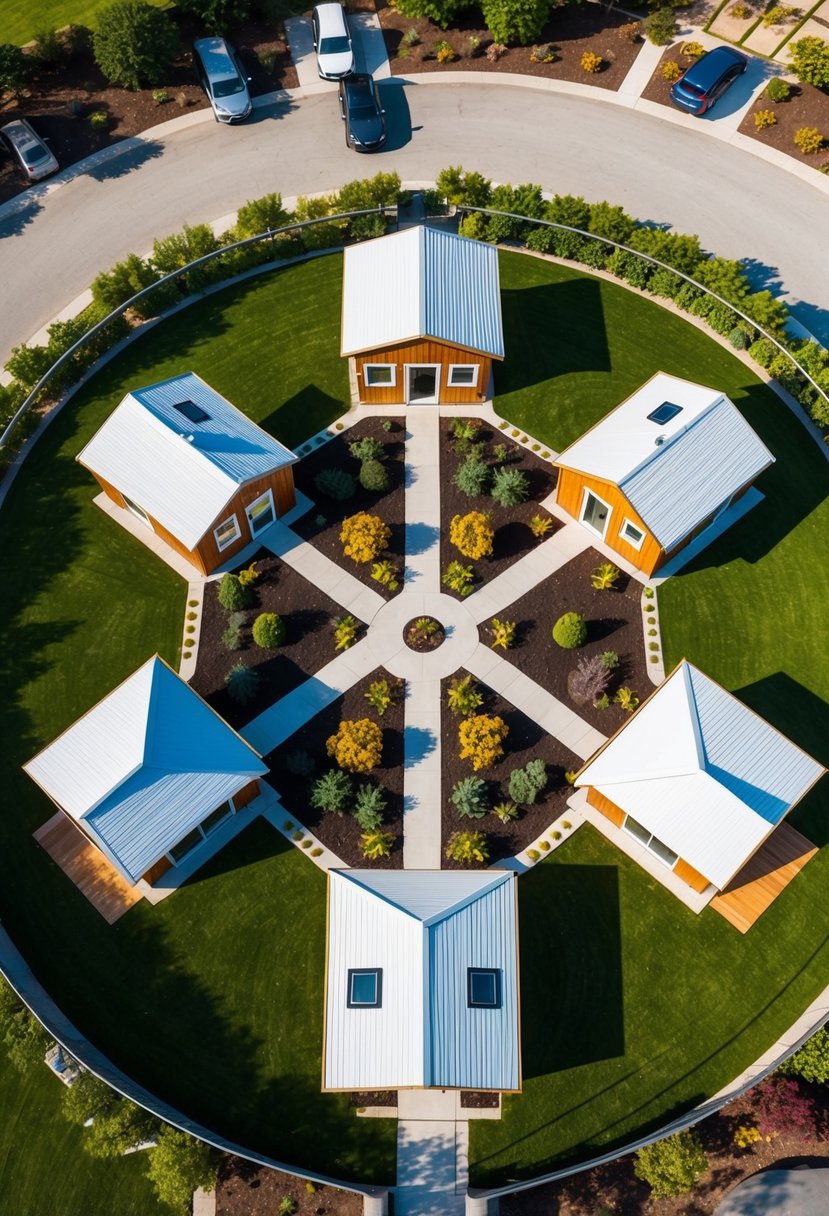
532, 319
289, 422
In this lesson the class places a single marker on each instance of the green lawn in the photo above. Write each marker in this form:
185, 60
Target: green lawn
43, 1166
214, 999
21, 20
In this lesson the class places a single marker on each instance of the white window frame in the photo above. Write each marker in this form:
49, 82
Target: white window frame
137, 512
232, 519
473, 383
628, 523
368, 368
647, 844
587, 491
408, 368
269, 495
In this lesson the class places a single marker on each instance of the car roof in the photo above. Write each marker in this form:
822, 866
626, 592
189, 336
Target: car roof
331, 18
362, 80
712, 64
20, 131
215, 55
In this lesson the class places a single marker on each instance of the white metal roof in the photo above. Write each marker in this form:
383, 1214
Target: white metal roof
703, 773
423, 929
144, 766
421, 283
182, 473
677, 474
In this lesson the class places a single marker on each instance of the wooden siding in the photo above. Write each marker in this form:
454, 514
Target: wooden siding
87, 867
423, 351
605, 807
763, 877
246, 794
207, 555
158, 870
690, 875
569, 495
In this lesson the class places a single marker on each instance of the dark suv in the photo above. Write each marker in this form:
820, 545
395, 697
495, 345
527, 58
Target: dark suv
707, 79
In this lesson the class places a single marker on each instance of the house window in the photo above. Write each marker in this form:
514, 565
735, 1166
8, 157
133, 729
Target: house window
216, 817
635, 829
463, 375
633, 535
380, 375
137, 511
261, 512
483, 988
191, 841
664, 413
227, 532
365, 988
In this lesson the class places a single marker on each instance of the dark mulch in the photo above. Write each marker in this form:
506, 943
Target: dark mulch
419, 639
245, 1189
526, 741
476, 1100
380, 1097
807, 107
322, 523
571, 31
658, 89
342, 834
309, 616
50, 94
513, 537
614, 622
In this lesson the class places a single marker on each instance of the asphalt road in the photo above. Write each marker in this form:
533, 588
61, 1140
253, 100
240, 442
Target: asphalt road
740, 206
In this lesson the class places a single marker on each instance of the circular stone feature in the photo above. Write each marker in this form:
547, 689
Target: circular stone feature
423, 634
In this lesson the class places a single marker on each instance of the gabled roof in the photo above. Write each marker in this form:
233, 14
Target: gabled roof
677, 473
181, 472
144, 766
702, 772
423, 929
421, 283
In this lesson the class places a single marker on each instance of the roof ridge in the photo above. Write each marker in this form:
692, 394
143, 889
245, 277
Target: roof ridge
659, 449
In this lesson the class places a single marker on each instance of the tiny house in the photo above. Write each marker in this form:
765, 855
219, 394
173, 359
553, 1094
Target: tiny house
191, 467
659, 469
698, 779
149, 773
421, 318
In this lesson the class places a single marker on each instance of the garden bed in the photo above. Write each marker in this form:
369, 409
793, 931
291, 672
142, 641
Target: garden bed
513, 537
807, 107
569, 33
246, 1189
614, 622
308, 614
341, 834
658, 89
322, 523
375, 1097
51, 95
525, 741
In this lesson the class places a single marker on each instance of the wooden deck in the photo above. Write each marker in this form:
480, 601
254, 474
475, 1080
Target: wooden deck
769, 871
89, 870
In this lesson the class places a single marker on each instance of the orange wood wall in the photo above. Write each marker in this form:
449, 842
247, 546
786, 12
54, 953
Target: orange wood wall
158, 870
246, 794
605, 807
690, 875
424, 351
569, 495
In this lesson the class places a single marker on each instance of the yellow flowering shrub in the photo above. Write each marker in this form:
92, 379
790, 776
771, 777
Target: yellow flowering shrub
591, 62
472, 534
364, 536
764, 118
357, 745
746, 1135
482, 739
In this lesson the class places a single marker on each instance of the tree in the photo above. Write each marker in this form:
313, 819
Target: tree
217, 16
673, 248
113, 287
672, 1166
119, 1127
178, 1164
87, 1098
811, 1061
259, 215
527, 199
25, 1039
461, 188
515, 21
810, 61
15, 68
439, 11
134, 43
725, 278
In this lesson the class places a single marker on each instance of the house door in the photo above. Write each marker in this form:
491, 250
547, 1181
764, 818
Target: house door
594, 513
422, 384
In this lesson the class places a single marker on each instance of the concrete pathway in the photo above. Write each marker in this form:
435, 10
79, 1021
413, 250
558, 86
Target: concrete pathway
367, 40
431, 1167
308, 561
421, 777
423, 498
301, 44
529, 570
369, 45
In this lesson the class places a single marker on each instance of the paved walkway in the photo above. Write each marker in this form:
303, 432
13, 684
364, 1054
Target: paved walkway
432, 1154
529, 570
343, 587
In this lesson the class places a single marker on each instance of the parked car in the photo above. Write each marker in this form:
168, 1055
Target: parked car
707, 79
223, 79
29, 150
332, 41
362, 113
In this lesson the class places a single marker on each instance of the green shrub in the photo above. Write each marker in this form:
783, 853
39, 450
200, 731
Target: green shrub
811, 1061
468, 848
24, 1038
472, 477
469, 797
269, 630
178, 1165
233, 594
369, 806
514, 22
459, 578
525, 784
336, 483
610, 659
605, 576
778, 89
242, 683
332, 792
810, 61
463, 696
459, 188
15, 69
112, 287
345, 632
380, 695
672, 1166
570, 630
48, 49
661, 26
374, 476
738, 338
232, 636
260, 215
134, 43
505, 811
376, 844
300, 763
510, 487
367, 449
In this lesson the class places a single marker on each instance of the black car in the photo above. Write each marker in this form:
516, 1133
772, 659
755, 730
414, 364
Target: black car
365, 124
707, 79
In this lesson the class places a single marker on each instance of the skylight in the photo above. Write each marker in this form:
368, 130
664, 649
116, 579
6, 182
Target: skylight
664, 413
191, 411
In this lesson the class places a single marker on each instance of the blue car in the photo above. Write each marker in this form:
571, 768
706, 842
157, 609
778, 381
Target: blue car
707, 79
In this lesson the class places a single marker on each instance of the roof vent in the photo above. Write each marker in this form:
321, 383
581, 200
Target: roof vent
658, 441
191, 411
664, 413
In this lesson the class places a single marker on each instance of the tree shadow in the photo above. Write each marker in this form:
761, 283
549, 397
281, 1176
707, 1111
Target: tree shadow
119, 164
532, 314
418, 743
18, 213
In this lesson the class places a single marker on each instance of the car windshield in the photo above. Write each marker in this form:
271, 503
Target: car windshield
33, 154
226, 88
335, 46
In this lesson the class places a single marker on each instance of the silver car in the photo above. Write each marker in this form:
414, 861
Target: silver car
28, 150
223, 79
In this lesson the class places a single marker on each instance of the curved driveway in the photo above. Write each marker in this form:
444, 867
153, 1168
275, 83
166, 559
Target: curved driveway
739, 205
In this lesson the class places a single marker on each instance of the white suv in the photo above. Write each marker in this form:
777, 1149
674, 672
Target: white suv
332, 42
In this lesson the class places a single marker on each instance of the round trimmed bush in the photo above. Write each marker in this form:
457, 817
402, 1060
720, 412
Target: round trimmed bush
234, 595
570, 631
269, 630
374, 476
